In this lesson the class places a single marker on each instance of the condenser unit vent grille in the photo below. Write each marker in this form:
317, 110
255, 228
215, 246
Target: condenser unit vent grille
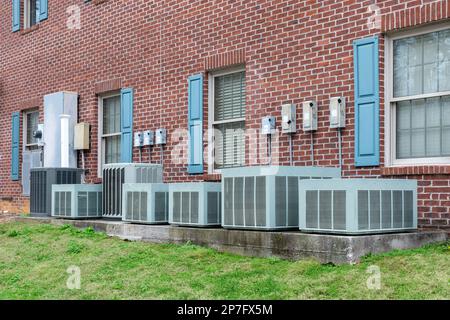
196, 204
41, 182
265, 198
77, 201
358, 206
325, 209
146, 203
115, 175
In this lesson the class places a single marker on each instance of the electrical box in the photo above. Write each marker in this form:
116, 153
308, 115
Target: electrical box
138, 139
160, 136
337, 112
39, 135
288, 118
268, 125
309, 116
149, 138
81, 138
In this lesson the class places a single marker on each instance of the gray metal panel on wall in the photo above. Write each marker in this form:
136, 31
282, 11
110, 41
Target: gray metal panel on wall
30, 160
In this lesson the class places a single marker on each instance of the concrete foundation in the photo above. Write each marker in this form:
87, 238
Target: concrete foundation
291, 245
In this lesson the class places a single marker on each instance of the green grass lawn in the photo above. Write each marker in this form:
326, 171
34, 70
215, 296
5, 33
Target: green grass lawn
34, 259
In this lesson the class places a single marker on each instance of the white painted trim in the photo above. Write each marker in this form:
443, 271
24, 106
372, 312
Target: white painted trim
100, 140
211, 78
390, 121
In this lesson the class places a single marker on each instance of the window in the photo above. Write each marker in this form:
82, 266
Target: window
110, 133
420, 97
32, 10
227, 106
31, 121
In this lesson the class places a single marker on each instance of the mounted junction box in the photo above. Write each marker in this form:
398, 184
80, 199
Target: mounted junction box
138, 139
309, 116
160, 136
337, 112
81, 137
39, 135
268, 125
288, 118
149, 138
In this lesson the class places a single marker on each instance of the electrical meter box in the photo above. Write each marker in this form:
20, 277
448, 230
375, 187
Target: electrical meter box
160, 136
81, 138
309, 116
149, 138
337, 112
288, 118
138, 139
268, 125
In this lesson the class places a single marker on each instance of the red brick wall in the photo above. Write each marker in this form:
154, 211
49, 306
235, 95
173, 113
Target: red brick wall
293, 50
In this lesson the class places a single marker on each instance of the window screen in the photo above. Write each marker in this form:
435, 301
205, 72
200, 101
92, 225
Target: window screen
422, 64
229, 124
32, 126
111, 129
422, 67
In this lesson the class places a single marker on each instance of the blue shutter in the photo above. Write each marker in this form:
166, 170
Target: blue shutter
15, 15
367, 102
195, 123
43, 10
126, 125
15, 146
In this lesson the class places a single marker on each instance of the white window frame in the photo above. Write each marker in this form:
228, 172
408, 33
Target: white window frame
26, 14
390, 114
211, 109
25, 113
101, 141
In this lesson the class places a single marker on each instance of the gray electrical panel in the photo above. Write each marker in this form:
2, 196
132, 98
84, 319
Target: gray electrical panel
337, 112
288, 118
310, 116
268, 125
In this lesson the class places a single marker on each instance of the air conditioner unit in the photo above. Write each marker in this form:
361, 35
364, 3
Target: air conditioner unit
265, 198
41, 181
115, 175
77, 201
195, 204
358, 206
146, 203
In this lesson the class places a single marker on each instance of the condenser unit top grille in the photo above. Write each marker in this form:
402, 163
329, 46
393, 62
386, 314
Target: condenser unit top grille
137, 165
281, 171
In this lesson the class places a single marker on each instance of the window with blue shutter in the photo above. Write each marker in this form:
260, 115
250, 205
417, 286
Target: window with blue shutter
126, 125
43, 10
15, 137
195, 123
367, 102
15, 15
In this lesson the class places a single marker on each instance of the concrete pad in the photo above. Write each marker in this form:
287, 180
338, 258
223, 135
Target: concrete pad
293, 245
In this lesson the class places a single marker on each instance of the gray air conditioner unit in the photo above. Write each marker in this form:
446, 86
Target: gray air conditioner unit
146, 203
115, 175
41, 181
265, 198
195, 204
77, 201
358, 206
